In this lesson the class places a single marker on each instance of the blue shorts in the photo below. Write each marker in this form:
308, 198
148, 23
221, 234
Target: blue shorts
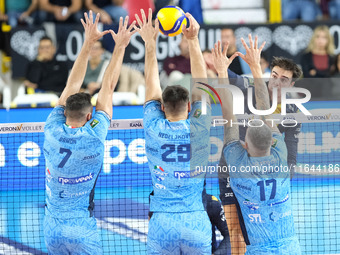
179, 233
73, 236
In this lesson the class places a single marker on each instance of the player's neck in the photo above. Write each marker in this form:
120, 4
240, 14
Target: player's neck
176, 118
257, 154
74, 124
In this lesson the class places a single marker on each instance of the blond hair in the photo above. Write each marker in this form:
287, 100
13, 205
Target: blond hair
330, 44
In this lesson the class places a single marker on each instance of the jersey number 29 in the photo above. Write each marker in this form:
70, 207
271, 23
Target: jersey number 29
183, 152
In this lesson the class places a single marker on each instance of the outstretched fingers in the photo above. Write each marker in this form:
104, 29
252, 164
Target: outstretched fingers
262, 45
244, 44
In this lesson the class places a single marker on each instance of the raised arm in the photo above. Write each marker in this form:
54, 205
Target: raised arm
111, 75
231, 133
149, 35
221, 63
75, 80
197, 63
252, 58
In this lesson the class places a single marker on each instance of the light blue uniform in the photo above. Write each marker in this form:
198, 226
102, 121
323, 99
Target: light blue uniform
74, 157
179, 225
263, 194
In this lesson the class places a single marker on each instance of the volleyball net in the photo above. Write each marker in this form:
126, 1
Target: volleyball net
123, 188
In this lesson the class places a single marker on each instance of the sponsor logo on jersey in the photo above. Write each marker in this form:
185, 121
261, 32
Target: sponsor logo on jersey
243, 187
94, 123
197, 113
275, 216
186, 174
159, 186
65, 194
281, 201
274, 143
256, 218
75, 180
91, 156
251, 205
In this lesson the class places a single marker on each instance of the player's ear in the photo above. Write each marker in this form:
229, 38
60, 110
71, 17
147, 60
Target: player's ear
162, 107
292, 84
189, 107
88, 116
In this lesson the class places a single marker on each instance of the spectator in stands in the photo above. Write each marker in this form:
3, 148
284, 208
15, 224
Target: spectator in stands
317, 61
177, 69
336, 77
238, 66
110, 10
306, 10
336, 66
209, 61
95, 69
46, 74
60, 10
129, 79
21, 11
334, 9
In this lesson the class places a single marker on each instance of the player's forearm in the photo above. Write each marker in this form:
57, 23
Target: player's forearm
152, 84
197, 63
112, 71
261, 90
77, 74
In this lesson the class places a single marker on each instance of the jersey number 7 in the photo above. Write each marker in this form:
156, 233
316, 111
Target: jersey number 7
67, 156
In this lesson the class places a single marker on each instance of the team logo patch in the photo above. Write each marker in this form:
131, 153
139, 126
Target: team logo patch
197, 113
94, 123
274, 142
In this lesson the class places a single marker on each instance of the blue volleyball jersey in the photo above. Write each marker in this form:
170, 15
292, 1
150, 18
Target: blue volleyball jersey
174, 149
74, 157
262, 188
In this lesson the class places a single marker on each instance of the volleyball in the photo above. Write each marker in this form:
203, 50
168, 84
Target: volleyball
171, 20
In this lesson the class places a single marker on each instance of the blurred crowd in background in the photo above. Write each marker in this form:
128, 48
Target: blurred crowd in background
47, 74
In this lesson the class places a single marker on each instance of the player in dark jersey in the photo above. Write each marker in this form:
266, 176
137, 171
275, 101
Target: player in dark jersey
263, 197
74, 149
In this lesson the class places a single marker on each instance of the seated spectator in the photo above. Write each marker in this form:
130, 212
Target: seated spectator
95, 69
60, 10
209, 61
334, 9
129, 79
336, 77
110, 10
317, 61
306, 10
46, 74
177, 69
21, 11
238, 66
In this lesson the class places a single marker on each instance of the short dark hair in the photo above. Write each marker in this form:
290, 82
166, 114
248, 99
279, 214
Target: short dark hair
175, 98
288, 65
78, 105
46, 38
